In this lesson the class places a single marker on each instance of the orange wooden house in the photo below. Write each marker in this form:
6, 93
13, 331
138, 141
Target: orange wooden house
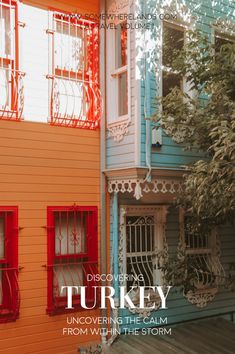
49, 169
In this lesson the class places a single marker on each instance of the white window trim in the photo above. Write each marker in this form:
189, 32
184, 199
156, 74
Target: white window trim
184, 28
186, 21
117, 126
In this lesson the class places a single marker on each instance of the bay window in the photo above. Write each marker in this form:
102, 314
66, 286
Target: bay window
72, 253
118, 79
9, 291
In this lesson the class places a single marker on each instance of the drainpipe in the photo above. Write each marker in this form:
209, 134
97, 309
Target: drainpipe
147, 109
103, 250
114, 260
147, 113
115, 244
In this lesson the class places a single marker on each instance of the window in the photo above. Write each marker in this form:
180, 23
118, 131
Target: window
75, 94
121, 68
173, 42
119, 71
221, 40
9, 290
140, 248
142, 237
72, 253
11, 85
201, 250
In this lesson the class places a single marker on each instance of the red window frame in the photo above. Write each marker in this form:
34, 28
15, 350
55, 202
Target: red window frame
88, 77
10, 299
11, 63
87, 259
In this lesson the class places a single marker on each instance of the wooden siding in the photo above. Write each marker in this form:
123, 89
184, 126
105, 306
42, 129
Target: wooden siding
171, 154
41, 165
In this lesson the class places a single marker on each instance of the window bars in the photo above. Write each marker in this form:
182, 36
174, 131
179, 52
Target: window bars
9, 288
75, 99
11, 78
201, 249
140, 249
72, 253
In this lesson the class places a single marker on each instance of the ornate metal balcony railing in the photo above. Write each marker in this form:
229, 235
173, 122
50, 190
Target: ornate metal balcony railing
208, 271
9, 294
72, 273
11, 93
74, 102
75, 99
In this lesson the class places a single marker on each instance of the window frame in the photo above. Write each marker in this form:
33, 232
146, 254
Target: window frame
9, 308
183, 28
159, 213
87, 259
88, 77
210, 252
120, 70
15, 83
117, 125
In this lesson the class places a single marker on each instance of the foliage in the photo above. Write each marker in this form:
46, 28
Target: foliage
204, 118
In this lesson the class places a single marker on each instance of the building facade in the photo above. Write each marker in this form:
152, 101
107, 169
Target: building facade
49, 170
144, 166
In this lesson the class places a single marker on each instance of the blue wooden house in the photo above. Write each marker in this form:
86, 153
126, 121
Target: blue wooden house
144, 167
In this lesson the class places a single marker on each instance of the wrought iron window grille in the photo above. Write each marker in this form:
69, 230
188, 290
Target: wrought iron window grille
75, 99
72, 254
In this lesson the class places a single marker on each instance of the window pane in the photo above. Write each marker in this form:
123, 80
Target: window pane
122, 87
70, 50
2, 238
5, 74
170, 81
67, 275
121, 45
71, 98
221, 40
173, 42
5, 32
70, 232
194, 239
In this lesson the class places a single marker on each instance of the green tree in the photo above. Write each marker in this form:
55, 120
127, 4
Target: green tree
204, 118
